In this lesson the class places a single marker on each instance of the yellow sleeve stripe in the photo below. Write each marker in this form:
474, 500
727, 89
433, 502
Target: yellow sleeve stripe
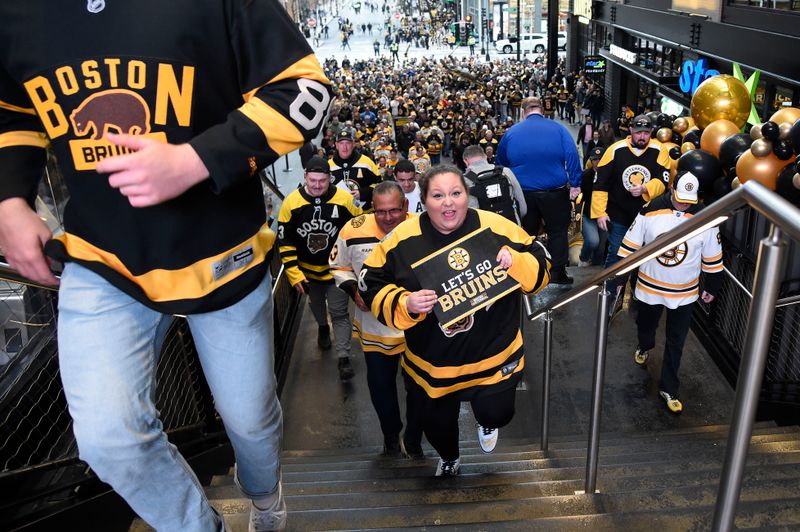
11, 107
281, 135
599, 203
307, 68
377, 302
630, 244
713, 259
321, 268
712, 269
23, 138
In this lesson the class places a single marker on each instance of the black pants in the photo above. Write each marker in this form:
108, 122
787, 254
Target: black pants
553, 207
382, 383
678, 321
493, 409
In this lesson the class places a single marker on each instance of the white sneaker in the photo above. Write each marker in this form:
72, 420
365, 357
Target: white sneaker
270, 519
487, 438
448, 468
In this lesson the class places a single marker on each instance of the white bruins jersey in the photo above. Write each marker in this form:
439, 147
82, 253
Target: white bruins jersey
673, 278
354, 244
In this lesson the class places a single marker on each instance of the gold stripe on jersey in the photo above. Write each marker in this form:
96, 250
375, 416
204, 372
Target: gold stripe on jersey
307, 67
23, 138
439, 391
670, 286
661, 293
282, 136
191, 282
712, 264
452, 372
387, 345
627, 247
11, 107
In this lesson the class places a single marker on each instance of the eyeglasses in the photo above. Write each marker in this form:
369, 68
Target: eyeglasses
388, 212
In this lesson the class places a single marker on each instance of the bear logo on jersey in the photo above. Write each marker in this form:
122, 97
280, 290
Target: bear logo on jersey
116, 110
462, 325
674, 256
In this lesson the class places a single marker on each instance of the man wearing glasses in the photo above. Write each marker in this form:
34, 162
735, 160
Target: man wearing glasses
383, 346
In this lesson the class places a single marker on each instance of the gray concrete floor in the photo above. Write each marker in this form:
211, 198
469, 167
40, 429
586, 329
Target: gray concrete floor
321, 412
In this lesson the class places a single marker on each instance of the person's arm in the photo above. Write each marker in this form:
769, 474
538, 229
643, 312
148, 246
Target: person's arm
530, 261
391, 304
341, 262
712, 264
22, 160
572, 163
286, 99
634, 237
522, 206
287, 248
600, 189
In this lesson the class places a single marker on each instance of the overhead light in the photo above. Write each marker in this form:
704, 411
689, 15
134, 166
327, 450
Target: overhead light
713, 223
583, 20
573, 298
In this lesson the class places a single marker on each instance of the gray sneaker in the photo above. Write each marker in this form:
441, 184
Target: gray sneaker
270, 519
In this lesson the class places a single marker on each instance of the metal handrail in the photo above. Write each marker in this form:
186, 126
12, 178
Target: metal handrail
782, 302
784, 217
8, 273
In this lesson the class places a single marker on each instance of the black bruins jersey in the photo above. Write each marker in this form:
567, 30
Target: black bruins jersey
621, 168
483, 349
307, 230
356, 172
233, 78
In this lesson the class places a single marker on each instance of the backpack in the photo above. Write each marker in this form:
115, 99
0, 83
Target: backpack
493, 191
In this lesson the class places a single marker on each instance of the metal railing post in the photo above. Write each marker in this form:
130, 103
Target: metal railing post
766, 284
598, 375
548, 354
286, 160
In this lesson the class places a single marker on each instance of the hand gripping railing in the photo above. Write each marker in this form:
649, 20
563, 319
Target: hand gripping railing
784, 217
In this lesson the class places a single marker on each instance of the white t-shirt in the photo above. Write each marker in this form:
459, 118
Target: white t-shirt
415, 205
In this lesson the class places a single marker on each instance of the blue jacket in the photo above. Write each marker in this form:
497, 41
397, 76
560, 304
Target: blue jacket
541, 154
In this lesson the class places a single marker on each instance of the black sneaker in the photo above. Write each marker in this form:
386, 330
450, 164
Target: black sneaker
345, 369
392, 449
324, 337
560, 277
413, 452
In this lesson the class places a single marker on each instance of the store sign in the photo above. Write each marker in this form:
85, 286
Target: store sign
594, 64
621, 53
693, 73
465, 276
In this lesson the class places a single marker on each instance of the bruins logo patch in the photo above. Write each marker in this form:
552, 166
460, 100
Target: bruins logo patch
462, 325
358, 221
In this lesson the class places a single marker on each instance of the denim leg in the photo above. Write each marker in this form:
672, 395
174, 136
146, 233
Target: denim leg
382, 383
108, 348
236, 348
615, 235
591, 238
338, 308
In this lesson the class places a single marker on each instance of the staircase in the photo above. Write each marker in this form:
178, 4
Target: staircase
656, 481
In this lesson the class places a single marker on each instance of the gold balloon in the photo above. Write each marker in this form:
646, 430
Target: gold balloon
721, 96
761, 147
765, 170
664, 134
691, 123
755, 132
796, 181
784, 129
687, 146
680, 125
785, 114
735, 183
715, 134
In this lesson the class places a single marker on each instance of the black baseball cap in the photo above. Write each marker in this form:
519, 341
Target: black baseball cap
344, 134
596, 153
641, 123
318, 164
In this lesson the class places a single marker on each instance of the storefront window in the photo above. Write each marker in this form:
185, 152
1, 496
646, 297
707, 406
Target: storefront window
786, 5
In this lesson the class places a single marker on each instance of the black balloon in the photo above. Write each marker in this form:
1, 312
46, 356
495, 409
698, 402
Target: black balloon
770, 131
703, 165
785, 186
675, 153
782, 150
663, 120
719, 188
653, 116
676, 138
794, 136
693, 136
732, 147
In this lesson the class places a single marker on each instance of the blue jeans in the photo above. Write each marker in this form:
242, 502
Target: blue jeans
594, 241
109, 345
616, 232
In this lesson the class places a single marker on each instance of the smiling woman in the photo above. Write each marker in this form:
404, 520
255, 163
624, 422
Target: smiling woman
478, 358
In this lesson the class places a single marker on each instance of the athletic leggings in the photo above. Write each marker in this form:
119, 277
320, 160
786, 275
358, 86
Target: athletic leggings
492, 409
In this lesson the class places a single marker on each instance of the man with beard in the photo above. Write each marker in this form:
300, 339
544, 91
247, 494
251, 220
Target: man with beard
632, 172
352, 171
